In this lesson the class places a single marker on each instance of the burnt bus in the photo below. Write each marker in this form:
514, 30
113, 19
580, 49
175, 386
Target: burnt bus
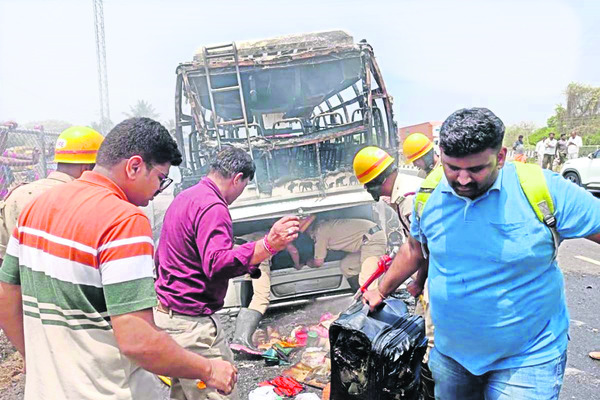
301, 106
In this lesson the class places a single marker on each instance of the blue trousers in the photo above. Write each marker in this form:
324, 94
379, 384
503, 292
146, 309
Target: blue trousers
537, 382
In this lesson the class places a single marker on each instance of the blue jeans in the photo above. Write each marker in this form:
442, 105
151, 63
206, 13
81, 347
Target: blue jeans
538, 382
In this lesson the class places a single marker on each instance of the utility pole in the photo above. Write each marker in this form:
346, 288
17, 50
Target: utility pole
101, 59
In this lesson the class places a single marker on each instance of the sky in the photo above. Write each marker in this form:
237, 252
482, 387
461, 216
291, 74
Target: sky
513, 57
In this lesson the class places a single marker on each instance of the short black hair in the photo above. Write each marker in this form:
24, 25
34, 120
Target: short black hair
470, 131
142, 137
520, 136
231, 161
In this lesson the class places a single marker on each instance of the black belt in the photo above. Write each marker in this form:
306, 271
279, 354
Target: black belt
374, 230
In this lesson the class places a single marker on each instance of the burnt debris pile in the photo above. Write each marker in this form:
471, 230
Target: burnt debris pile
377, 356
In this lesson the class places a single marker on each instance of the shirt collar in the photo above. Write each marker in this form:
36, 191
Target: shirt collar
446, 188
60, 176
101, 180
209, 182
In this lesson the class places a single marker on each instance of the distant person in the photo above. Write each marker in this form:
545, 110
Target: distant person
75, 152
549, 151
519, 149
77, 282
561, 149
539, 151
196, 259
574, 144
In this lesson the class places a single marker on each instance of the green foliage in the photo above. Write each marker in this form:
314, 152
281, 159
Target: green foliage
142, 109
512, 132
593, 139
539, 134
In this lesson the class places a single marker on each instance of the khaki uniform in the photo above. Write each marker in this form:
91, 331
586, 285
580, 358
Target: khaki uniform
363, 239
403, 198
202, 335
11, 207
261, 287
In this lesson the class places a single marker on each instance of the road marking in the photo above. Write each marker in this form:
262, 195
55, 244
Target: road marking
590, 260
573, 371
577, 323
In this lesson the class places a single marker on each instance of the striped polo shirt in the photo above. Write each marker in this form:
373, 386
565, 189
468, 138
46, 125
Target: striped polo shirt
81, 253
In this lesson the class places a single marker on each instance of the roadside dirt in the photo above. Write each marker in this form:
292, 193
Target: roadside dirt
12, 380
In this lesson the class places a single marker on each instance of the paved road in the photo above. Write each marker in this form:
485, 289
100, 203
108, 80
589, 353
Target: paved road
582, 285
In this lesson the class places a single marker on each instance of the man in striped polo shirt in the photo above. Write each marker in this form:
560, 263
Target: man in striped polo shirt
77, 286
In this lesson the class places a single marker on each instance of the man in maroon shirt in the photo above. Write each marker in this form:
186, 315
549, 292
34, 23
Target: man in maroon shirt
195, 260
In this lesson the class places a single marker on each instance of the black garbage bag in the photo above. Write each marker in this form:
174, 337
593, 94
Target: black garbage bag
377, 356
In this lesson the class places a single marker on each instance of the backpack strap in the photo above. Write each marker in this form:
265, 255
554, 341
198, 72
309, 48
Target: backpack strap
427, 187
534, 186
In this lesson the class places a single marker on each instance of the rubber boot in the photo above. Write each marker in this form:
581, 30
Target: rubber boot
353, 282
245, 325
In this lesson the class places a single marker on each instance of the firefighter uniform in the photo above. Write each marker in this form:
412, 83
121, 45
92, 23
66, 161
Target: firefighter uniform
402, 198
363, 239
16, 200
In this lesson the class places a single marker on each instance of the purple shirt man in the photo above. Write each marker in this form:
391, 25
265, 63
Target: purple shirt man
195, 257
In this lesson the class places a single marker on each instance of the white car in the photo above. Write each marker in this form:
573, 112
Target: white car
584, 171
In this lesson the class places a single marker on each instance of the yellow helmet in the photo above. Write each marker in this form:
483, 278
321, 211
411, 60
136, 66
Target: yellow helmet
77, 145
369, 162
415, 146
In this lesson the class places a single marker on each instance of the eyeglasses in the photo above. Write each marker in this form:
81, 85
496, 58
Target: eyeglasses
165, 181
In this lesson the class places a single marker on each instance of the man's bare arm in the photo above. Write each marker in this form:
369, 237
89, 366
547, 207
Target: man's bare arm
11, 315
594, 238
293, 251
408, 260
283, 232
154, 350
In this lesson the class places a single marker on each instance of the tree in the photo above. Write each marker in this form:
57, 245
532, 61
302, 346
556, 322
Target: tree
102, 126
142, 109
514, 131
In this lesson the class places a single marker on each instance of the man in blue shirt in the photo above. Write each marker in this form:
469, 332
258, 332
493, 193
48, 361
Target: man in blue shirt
497, 294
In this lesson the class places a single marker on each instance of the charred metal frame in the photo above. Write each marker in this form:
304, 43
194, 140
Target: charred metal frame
208, 135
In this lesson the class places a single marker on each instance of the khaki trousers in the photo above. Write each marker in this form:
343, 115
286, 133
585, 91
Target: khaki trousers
422, 309
261, 288
202, 335
364, 262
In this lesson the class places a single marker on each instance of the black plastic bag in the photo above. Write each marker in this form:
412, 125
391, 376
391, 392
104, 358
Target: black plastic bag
377, 356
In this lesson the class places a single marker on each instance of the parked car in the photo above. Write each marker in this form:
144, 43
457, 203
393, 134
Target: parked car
584, 171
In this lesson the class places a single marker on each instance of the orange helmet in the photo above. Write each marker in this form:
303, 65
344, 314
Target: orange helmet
77, 145
415, 146
369, 162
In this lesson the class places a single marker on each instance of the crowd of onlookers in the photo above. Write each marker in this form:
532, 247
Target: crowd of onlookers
553, 153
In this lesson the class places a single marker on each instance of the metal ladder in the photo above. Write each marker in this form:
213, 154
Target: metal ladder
225, 51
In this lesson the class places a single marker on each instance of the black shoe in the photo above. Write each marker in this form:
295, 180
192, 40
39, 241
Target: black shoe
353, 282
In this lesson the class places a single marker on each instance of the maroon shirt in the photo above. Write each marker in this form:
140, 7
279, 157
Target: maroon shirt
195, 257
